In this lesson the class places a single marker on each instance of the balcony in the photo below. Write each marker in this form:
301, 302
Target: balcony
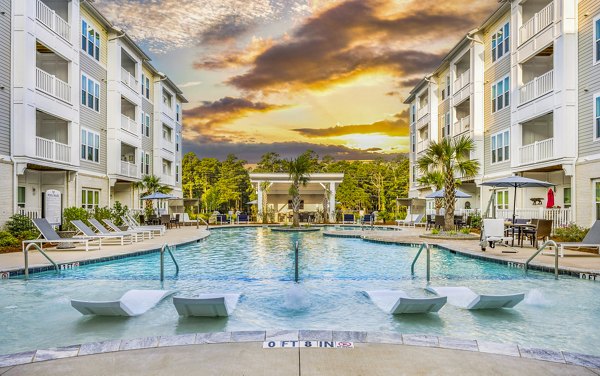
53, 86
462, 80
129, 169
423, 111
48, 17
422, 146
537, 23
129, 125
537, 87
52, 151
537, 152
462, 126
129, 79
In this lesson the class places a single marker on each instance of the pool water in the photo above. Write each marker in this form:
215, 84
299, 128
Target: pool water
561, 314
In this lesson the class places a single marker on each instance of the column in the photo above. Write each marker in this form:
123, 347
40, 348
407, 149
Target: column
259, 202
332, 202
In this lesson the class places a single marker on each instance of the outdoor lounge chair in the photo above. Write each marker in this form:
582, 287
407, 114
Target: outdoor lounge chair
156, 229
104, 231
132, 303
348, 219
222, 219
144, 233
591, 240
206, 305
464, 297
89, 233
396, 302
367, 219
408, 220
50, 236
492, 233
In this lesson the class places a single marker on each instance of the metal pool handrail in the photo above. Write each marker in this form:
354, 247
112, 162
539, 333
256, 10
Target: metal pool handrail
201, 219
549, 242
296, 251
26, 256
412, 266
167, 248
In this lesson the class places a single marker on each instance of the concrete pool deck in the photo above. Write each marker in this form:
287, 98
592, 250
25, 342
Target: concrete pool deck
242, 353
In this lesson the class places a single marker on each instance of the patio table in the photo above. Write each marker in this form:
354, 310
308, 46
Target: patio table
519, 227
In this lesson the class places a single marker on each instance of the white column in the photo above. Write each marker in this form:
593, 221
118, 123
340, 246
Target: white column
259, 202
332, 202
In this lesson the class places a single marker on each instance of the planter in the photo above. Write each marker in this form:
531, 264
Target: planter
67, 235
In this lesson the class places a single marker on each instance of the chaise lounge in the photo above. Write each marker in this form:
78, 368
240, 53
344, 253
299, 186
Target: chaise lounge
132, 303
591, 240
50, 236
397, 302
206, 305
104, 231
464, 297
89, 233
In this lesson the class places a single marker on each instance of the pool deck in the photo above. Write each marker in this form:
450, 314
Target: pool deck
242, 353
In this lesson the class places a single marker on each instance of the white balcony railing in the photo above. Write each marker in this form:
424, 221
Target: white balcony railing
537, 87
53, 86
462, 80
537, 152
560, 217
129, 79
537, 23
53, 21
463, 125
422, 146
129, 125
421, 112
129, 169
52, 150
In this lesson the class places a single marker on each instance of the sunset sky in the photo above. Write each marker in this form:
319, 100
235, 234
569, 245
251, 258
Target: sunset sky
291, 75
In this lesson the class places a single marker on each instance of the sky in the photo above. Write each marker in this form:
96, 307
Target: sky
285, 76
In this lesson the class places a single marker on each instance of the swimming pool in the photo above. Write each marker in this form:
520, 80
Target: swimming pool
559, 314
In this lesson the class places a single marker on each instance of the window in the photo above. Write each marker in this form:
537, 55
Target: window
501, 147
597, 39
177, 110
167, 133
90, 40
414, 174
21, 197
90, 198
145, 86
177, 173
501, 94
446, 129
446, 90
90, 146
166, 99
146, 125
145, 163
597, 117
597, 199
567, 197
177, 142
90, 93
501, 42
413, 143
413, 113
502, 199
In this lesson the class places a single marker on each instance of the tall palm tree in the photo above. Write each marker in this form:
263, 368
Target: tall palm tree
298, 170
434, 179
451, 158
150, 184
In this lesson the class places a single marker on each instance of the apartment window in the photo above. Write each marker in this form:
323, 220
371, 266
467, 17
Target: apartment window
145, 163
90, 40
597, 39
597, 199
413, 143
501, 147
167, 133
597, 116
567, 197
90, 146
414, 174
146, 125
501, 42
145, 86
177, 173
413, 113
177, 110
90, 93
447, 85
502, 199
166, 168
90, 198
447, 124
21, 197
166, 99
501, 94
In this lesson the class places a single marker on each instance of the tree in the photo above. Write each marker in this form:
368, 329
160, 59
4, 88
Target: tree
298, 170
190, 179
150, 184
434, 179
270, 162
450, 157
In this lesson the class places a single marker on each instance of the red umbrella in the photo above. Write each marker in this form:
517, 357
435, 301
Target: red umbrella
550, 201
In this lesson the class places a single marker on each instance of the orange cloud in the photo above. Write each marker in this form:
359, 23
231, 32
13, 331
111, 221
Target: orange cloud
397, 128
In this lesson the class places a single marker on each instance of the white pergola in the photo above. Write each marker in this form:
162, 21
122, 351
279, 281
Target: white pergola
278, 184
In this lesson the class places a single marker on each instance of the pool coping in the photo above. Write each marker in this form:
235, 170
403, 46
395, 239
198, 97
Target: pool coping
388, 338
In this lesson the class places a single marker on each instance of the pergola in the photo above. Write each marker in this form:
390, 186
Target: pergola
318, 194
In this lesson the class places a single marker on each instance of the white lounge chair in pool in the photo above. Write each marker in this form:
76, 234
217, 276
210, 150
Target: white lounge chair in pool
466, 298
396, 302
206, 305
132, 303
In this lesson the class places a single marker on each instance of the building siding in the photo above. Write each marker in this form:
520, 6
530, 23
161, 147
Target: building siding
5, 74
147, 142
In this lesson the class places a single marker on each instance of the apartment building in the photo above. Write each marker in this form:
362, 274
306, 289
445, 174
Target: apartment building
88, 110
523, 109
6, 168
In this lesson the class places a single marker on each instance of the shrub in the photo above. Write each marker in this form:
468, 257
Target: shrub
117, 212
102, 213
476, 221
435, 231
71, 214
465, 230
8, 240
452, 232
570, 233
18, 225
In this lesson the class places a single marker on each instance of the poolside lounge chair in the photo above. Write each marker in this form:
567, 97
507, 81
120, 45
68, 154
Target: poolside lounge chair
104, 231
591, 240
348, 219
132, 303
89, 233
367, 219
243, 217
144, 233
492, 233
409, 219
50, 236
396, 302
206, 305
156, 229
222, 219
466, 298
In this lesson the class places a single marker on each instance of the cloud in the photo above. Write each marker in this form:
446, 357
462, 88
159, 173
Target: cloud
189, 84
398, 127
231, 58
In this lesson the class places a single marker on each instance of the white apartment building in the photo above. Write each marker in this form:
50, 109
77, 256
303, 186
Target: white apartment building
89, 114
515, 87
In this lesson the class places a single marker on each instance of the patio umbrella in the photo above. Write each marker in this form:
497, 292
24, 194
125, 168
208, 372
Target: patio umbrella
550, 201
158, 196
516, 182
441, 194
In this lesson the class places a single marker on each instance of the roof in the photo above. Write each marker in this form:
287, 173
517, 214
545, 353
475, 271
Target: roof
284, 177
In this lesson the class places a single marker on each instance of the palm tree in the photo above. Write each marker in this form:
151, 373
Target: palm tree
436, 180
298, 170
450, 157
150, 184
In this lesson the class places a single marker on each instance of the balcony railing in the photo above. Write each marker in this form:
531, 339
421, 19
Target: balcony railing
422, 146
129, 124
561, 217
463, 125
129, 169
537, 23
537, 87
52, 150
129, 79
462, 80
421, 112
537, 152
53, 86
53, 21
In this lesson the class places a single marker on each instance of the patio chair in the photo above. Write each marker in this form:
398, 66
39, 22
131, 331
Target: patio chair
132, 303
243, 217
407, 221
165, 220
464, 297
492, 232
222, 219
175, 221
367, 219
206, 305
397, 302
348, 219
144, 233
48, 235
104, 231
590, 241
439, 221
429, 222
89, 233
156, 230
542, 230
